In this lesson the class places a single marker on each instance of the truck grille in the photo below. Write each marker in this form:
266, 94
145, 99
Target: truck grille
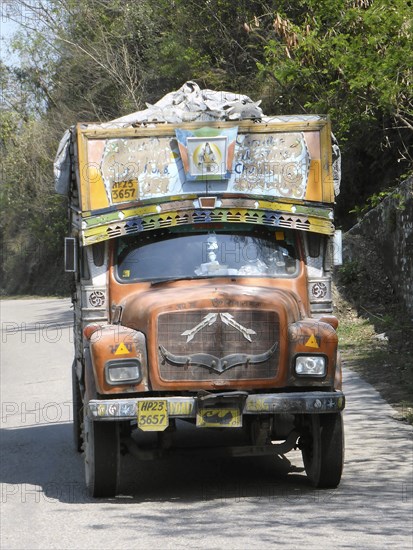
223, 345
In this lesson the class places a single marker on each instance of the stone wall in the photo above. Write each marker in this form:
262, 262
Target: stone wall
383, 239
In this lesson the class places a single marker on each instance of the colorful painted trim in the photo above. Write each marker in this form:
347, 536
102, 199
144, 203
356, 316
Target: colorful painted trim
136, 220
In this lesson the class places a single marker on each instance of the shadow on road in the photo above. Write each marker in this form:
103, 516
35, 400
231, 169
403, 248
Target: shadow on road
38, 463
52, 315
39, 466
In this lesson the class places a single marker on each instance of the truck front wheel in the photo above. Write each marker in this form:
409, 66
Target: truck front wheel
102, 457
322, 447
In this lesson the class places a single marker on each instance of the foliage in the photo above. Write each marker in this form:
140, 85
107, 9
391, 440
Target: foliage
376, 198
98, 59
33, 219
345, 58
349, 272
354, 61
376, 345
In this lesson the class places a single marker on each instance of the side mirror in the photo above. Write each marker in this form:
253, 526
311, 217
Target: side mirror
70, 255
338, 247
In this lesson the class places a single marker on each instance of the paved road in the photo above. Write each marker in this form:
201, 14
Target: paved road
238, 503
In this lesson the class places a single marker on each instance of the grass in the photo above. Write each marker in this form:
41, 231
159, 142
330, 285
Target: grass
378, 347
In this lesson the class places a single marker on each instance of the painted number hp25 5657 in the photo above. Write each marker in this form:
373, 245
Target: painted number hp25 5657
124, 191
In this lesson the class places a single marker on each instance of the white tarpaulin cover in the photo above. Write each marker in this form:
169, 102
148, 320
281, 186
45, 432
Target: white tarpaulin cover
188, 104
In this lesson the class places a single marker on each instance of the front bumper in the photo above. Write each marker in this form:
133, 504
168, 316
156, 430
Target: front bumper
186, 407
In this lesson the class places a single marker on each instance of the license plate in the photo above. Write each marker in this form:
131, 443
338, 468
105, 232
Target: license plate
219, 418
153, 415
123, 191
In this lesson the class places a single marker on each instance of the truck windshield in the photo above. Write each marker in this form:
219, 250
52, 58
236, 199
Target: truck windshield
169, 255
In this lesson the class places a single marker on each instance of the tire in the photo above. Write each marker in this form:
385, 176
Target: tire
77, 411
102, 457
322, 448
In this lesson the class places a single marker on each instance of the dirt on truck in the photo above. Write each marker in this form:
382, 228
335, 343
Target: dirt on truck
201, 246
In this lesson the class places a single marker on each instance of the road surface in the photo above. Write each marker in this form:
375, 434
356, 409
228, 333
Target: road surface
236, 503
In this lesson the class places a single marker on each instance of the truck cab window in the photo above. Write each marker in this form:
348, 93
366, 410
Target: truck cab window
84, 265
98, 254
261, 253
314, 244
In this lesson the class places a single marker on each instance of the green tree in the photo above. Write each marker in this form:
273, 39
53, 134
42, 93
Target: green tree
99, 59
354, 61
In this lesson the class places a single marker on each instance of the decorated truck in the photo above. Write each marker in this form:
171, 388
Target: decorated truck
201, 246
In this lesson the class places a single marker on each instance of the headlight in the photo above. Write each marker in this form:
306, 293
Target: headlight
123, 371
310, 365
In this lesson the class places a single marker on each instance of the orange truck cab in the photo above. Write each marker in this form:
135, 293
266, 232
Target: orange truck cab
201, 253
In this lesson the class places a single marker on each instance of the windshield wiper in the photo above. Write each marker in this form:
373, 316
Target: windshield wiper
183, 278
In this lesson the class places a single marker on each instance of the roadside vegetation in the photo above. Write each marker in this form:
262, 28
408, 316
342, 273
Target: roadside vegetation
95, 60
376, 340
